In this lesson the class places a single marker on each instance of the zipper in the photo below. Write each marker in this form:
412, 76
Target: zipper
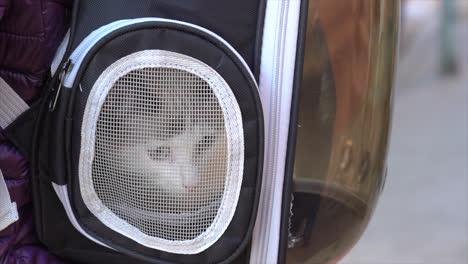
272, 145
79, 54
60, 53
63, 72
281, 23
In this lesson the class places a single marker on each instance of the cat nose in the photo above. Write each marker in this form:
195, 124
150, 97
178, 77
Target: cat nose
189, 179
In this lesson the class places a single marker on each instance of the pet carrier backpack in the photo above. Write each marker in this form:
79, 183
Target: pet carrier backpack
153, 142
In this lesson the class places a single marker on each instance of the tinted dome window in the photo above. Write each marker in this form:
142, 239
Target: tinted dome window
343, 125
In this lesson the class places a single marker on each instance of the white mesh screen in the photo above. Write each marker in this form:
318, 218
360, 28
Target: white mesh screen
162, 151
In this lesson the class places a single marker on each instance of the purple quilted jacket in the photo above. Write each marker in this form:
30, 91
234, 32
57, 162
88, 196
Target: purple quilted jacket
30, 32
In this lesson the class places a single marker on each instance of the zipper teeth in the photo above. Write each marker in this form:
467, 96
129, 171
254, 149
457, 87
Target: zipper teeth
275, 107
83, 48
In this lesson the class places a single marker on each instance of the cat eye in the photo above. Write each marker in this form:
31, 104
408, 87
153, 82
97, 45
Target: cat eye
159, 153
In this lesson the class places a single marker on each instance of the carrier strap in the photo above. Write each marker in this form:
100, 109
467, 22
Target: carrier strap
8, 211
11, 105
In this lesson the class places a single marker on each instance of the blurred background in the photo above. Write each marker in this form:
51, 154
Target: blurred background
421, 216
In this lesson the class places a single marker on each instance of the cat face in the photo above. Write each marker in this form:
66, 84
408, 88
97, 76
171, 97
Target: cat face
172, 151
170, 148
184, 163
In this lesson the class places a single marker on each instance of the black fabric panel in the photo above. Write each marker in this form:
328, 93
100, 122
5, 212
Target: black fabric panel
235, 21
178, 39
259, 41
20, 132
50, 147
49, 138
243, 258
293, 122
61, 238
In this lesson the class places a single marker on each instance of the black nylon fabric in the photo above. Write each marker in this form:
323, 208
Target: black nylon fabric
19, 132
62, 238
177, 39
235, 21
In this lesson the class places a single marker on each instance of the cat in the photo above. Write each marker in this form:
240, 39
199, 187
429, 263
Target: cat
169, 154
180, 164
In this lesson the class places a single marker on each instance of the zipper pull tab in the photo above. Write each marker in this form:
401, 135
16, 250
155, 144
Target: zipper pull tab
65, 69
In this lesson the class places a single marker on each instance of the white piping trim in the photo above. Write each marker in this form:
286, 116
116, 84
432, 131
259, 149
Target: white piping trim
235, 164
11, 104
8, 210
91, 40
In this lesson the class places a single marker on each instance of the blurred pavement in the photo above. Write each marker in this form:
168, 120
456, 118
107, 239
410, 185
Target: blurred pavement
421, 216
